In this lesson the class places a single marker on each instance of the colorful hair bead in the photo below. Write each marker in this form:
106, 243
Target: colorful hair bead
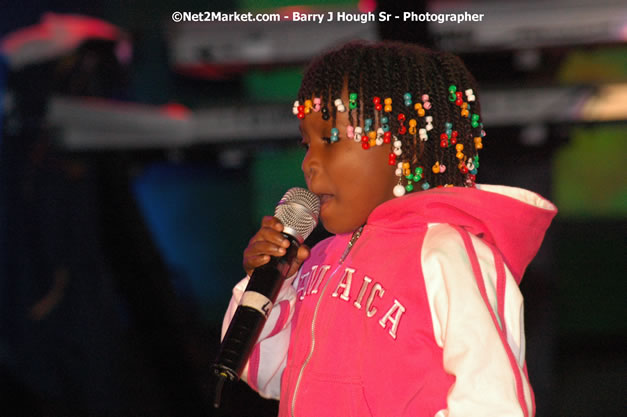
399, 190
399, 168
436, 167
407, 98
334, 135
426, 102
316, 102
350, 132
384, 124
397, 147
372, 136
379, 138
419, 109
301, 112
429, 120
367, 125
478, 144
387, 136
452, 89
295, 107
377, 103
406, 168
358, 134
425, 186
339, 105
474, 120
308, 106
458, 98
364, 142
388, 105
401, 120
417, 174
422, 133
471, 167
459, 147
470, 95
352, 101
412, 126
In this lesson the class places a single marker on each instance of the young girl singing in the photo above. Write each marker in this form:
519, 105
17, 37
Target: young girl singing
423, 315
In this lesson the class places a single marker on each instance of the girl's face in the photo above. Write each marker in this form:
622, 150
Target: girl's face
349, 180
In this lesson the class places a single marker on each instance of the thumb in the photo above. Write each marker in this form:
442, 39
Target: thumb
301, 256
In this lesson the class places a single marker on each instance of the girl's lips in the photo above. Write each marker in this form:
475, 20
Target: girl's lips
324, 199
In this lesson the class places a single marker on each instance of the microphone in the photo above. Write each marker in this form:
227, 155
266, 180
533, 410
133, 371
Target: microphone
298, 210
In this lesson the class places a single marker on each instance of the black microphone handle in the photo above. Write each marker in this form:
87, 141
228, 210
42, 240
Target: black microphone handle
248, 321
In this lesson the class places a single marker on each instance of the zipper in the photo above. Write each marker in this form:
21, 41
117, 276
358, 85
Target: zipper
350, 245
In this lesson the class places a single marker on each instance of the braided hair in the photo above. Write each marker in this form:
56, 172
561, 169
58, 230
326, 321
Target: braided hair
392, 69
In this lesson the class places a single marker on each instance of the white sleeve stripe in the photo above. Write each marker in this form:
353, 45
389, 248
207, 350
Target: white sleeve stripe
470, 249
459, 315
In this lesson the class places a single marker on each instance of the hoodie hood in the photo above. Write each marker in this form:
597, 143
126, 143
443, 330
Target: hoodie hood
513, 219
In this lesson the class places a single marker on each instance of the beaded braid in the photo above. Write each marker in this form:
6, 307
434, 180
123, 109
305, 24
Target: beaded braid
442, 114
373, 88
337, 83
391, 69
354, 82
419, 80
451, 65
413, 141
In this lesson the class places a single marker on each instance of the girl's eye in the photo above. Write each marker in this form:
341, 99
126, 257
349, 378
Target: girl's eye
305, 145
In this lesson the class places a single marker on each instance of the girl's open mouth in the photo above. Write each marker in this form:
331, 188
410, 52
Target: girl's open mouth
324, 199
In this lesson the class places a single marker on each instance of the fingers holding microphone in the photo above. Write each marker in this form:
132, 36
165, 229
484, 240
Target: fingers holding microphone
267, 242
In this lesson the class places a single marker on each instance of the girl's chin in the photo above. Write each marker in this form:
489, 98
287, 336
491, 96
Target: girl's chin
334, 228
329, 225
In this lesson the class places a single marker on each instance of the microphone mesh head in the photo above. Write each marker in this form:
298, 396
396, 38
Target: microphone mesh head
298, 210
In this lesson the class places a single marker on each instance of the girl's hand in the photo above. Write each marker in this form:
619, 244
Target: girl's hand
269, 241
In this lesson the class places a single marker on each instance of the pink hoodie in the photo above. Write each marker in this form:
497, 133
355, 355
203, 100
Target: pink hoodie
422, 318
